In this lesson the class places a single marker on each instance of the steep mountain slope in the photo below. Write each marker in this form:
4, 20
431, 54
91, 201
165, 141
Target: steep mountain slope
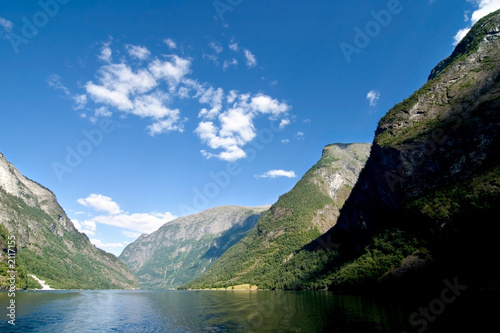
48, 245
183, 249
425, 200
299, 216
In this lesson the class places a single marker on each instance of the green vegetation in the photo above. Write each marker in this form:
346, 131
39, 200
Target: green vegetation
323, 270
455, 206
398, 115
22, 279
63, 261
391, 137
269, 256
470, 43
182, 250
441, 222
481, 193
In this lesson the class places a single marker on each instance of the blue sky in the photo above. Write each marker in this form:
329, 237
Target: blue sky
137, 112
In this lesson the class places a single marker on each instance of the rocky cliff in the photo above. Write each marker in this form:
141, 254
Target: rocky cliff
433, 173
185, 248
47, 242
297, 218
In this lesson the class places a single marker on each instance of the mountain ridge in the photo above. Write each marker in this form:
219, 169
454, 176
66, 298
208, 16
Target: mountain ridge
418, 212
297, 218
184, 248
432, 179
47, 242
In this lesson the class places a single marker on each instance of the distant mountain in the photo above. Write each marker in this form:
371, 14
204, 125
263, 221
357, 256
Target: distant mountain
299, 216
48, 245
183, 249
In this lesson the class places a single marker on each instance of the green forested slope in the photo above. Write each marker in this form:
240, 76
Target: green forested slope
48, 245
297, 218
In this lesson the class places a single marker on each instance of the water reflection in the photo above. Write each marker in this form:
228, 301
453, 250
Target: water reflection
204, 311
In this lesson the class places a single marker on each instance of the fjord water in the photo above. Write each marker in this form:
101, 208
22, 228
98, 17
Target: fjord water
204, 311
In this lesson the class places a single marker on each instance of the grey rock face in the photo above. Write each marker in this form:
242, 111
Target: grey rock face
446, 133
43, 232
183, 249
339, 171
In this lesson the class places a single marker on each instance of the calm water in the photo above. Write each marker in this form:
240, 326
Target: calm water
214, 311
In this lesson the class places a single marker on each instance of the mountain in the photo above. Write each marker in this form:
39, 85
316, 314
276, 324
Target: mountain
422, 210
297, 218
47, 244
185, 248
424, 206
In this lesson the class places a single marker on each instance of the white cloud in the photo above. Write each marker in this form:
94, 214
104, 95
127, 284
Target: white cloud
233, 46
212, 97
103, 112
466, 15
77, 225
267, 105
285, 141
90, 225
208, 133
137, 222
170, 43
231, 97
251, 60
460, 35
80, 101
191, 88
115, 98
373, 96
236, 127
226, 119
171, 71
131, 234
129, 91
100, 203
98, 243
139, 52
216, 47
106, 52
277, 173
229, 62
153, 106
284, 123
485, 7
237, 123
299, 136
6, 25
117, 83
87, 227
55, 82
134, 224
140, 222
173, 123
212, 57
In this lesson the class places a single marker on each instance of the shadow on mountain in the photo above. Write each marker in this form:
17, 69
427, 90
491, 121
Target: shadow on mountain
230, 237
